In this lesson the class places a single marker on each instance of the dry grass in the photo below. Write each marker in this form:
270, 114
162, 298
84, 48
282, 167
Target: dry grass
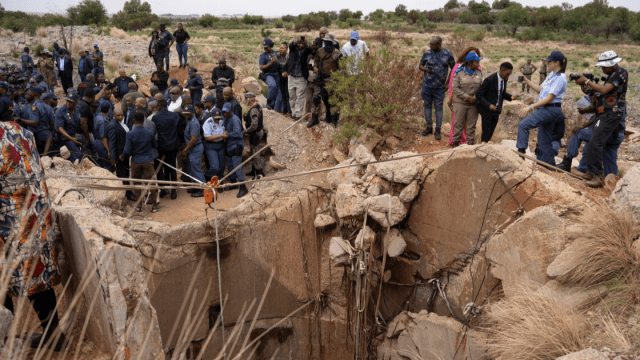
42, 32
76, 47
616, 338
606, 250
534, 325
127, 57
120, 34
6, 33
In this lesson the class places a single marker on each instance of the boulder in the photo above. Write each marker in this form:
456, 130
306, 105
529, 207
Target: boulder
250, 84
401, 171
586, 354
323, 220
626, 195
381, 205
522, 253
347, 175
109, 198
339, 251
61, 164
6, 317
428, 336
365, 238
409, 192
394, 242
339, 155
349, 202
46, 162
392, 142
369, 139
65, 153
363, 155
564, 262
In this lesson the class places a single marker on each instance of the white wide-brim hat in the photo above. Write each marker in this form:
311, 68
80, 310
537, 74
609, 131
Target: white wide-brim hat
608, 59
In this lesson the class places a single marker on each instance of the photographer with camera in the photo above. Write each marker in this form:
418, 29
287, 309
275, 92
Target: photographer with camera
610, 113
548, 115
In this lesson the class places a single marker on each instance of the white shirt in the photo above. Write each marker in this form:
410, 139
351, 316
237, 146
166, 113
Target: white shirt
124, 126
358, 51
175, 104
500, 89
62, 64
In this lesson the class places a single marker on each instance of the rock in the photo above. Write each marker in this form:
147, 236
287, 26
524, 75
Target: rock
611, 180
398, 324
576, 298
626, 195
409, 192
394, 242
261, 100
323, 220
379, 207
250, 84
369, 139
349, 202
87, 164
365, 238
401, 171
522, 253
61, 164
564, 262
6, 317
586, 354
445, 129
339, 251
339, 155
428, 336
529, 99
374, 190
64, 153
46, 162
392, 142
347, 175
109, 198
363, 155
276, 165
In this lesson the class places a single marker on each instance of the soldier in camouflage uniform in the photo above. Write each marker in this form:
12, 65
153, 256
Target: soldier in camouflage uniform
527, 70
543, 71
255, 130
46, 67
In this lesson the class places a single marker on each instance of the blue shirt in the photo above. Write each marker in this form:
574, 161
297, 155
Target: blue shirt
139, 145
100, 62
26, 61
264, 59
193, 128
105, 101
195, 82
100, 123
44, 115
82, 65
234, 131
441, 62
556, 84
67, 120
167, 128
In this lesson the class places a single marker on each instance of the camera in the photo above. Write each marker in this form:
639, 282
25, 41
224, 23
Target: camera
590, 76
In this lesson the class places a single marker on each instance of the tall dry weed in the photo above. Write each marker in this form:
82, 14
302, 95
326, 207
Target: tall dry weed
42, 32
76, 47
118, 33
534, 325
605, 253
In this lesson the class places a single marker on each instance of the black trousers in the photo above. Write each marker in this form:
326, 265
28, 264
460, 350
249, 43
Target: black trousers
44, 304
168, 173
67, 82
605, 125
122, 170
489, 123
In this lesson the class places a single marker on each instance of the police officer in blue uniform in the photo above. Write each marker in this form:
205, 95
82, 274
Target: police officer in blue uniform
192, 152
195, 85
6, 104
67, 124
163, 51
26, 59
235, 146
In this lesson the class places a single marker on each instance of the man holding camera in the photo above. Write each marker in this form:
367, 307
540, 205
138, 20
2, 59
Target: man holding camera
610, 113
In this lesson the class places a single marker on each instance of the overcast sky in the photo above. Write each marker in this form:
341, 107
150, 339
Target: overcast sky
270, 8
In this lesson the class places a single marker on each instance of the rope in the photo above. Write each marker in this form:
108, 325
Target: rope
215, 213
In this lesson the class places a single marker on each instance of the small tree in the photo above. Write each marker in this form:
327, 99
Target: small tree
451, 4
515, 16
401, 10
345, 14
133, 7
207, 20
414, 16
567, 6
88, 12
500, 4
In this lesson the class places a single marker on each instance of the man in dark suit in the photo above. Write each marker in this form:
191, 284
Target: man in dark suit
491, 96
117, 135
169, 135
66, 70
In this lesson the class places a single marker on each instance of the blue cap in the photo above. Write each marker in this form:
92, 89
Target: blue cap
36, 89
188, 109
26, 48
556, 56
226, 108
39, 77
105, 107
4, 85
49, 96
355, 35
267, 42
95, 104
209, 98
72, 96
95, 45
97, 89
174, 82
55, 44
192, 70
472, 56
216, 113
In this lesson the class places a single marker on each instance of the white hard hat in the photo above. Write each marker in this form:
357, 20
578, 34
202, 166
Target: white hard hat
608, 59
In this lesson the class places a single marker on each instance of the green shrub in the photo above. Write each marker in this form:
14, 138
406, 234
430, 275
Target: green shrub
207, 21
127, 58
37, 49
477, 35
265, 33
253, 20
309, 22
15, 54
279, 24
586, 64
88, 12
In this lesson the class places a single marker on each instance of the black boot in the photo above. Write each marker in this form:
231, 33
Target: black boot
334, 120
522, 151
130, 196
233, 181
437, 134
243, 191
565, 164
314, 121
258, 174
174, 194
198, 193
164, 193
36, 339
251, 173
427, 131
